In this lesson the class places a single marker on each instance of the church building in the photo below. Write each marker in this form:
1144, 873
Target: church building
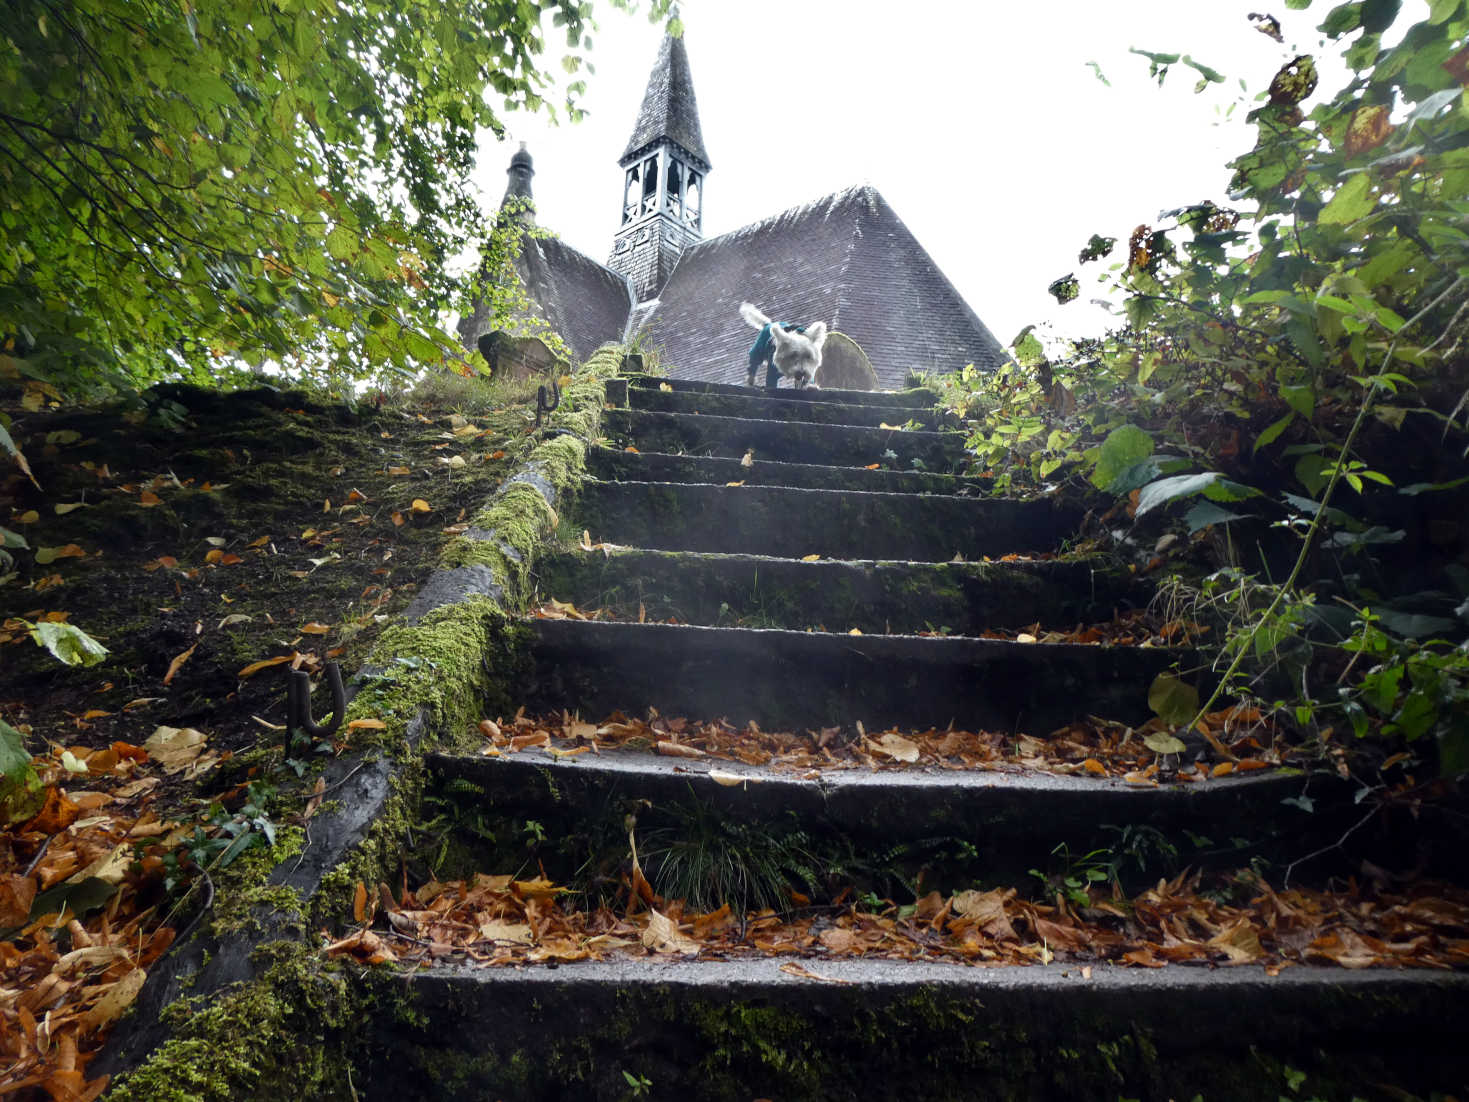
846, 259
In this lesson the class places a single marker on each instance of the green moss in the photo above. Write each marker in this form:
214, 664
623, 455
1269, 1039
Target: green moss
282, 1035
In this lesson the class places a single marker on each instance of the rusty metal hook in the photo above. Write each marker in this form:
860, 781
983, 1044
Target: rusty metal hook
298, 703
541, 408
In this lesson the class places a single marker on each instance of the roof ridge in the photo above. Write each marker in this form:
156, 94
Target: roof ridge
869, 193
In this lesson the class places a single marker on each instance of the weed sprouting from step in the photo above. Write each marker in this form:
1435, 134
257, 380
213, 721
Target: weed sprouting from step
708, 860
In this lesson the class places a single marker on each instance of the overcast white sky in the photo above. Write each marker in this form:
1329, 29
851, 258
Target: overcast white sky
981, 123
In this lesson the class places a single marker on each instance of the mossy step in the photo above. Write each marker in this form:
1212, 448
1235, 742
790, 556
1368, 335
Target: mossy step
784, 441
958, 826
794, 679
794, 523
754, 404
893, 597
915, 398
892, 1031
614, 464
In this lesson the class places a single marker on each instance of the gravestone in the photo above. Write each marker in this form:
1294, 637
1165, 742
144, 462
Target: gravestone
844, 366
520, 357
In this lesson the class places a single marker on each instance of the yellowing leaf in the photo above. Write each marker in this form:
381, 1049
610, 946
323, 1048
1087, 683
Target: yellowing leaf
895, 746
741, 482
255, 667
399, 471
666, 388
809, 558
663, 936
63, 509
178, 663
315, 628
367, 725
148, 499
421, 506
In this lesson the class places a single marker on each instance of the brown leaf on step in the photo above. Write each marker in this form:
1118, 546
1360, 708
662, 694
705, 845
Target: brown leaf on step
801, 971
662, 936
1239, 942
678, 750
894, 746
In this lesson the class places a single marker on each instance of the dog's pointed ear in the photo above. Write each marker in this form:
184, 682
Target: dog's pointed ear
816, 334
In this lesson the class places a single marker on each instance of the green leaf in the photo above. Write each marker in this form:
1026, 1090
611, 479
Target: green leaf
79, 897
1170, 489
13, 540
1161, 742
1272, 433
68, 644
21, 792
1124, 446
1302, 399
1352, 200
1205, 513
1172, 700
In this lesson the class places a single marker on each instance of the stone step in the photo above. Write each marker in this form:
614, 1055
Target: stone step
615, 465
783, 441
757, 405
918, 398
954, 827
794, 523
794, 679
875, 597
898, 1030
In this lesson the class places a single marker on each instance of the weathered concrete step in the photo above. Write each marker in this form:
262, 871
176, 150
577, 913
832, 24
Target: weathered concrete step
793, 679
616, 465
1009, 822
754, 404
893, 597
917, 398
893, 1030
779, 520
783, 441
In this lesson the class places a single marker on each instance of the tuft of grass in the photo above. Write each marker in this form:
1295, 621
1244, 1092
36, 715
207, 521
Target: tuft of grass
472, 395
707, 861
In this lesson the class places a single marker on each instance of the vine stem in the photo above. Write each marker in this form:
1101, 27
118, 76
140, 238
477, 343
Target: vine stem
1315, 526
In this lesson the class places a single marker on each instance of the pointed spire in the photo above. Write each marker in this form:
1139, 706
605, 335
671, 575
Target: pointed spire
518, 201
669, 110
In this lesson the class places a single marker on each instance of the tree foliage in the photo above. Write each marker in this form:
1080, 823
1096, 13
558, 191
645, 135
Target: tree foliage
187, 186
1294, 359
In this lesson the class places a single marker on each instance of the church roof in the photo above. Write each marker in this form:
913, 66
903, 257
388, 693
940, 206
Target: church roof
846, 259
669, 110
586, 302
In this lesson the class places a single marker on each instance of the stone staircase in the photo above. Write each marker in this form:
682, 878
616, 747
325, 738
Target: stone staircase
804, 561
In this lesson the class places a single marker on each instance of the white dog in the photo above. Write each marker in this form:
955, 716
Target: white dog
794, 352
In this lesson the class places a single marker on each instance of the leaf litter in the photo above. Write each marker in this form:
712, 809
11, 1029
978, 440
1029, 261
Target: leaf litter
1092, 747
503, 921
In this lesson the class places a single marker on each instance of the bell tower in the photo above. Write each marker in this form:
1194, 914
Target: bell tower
664, 168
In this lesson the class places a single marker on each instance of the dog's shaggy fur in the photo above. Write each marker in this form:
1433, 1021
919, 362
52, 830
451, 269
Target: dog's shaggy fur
797, 356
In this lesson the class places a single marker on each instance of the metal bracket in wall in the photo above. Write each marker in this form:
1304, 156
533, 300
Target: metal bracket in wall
298, 703
541, 407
